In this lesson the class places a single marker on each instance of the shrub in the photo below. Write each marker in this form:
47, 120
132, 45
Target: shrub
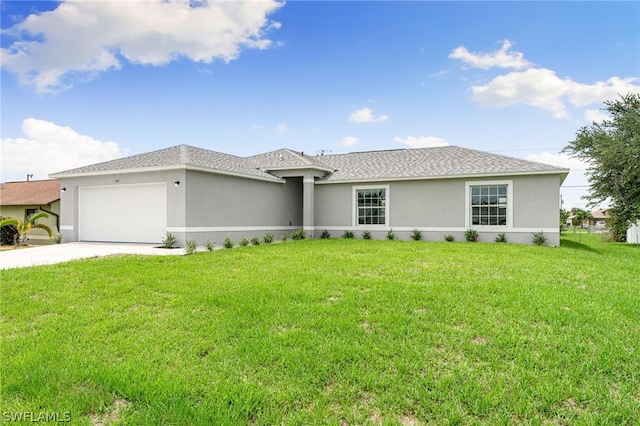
244, 242
268, 239
471, 235
169, 241
8, 234
348, 235
298, 234
366, 235
449, 238
539, 238
391, 235
191, 247
209, 245
416, 235
57, 239
501, 238
325, 234
285, 236
255, 241
228, 243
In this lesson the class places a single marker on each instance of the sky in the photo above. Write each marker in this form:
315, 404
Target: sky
89, 81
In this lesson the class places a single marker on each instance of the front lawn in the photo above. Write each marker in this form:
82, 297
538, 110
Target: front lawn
343, 332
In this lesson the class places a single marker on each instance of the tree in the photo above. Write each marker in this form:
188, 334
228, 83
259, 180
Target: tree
564, 216
24, 227
612, 152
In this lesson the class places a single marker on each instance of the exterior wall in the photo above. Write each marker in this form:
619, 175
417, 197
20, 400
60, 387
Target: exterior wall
69, 197
439, 207
36, 236
217, 206
633, 234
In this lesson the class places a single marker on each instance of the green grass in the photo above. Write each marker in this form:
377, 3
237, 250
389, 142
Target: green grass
331, 332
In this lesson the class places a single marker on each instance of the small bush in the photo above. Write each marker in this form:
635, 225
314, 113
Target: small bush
169, 241
501, 238
471, 235
285, 237
57, 239
348, 235
8, 234
325, 235
228, 243
255, 241
209, 245
391, 235
416, 235
366, 235
449, 238
191, 247
539, 238
298, 234
244, 242
268, 239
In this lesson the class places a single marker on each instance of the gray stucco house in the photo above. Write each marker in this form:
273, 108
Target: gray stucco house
198, 194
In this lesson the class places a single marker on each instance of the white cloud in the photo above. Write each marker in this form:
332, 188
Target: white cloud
595, 116
83, 39
542, 88
280, 129
349, 141
365, 115
48, 148
421, 141
500, 58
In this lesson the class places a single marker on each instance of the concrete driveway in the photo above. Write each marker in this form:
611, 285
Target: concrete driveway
58, 253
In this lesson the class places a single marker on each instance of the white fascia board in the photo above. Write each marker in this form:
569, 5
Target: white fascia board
311, 167
563, 172
274, 179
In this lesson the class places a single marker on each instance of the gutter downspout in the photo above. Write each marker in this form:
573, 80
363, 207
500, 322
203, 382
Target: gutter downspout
55, 214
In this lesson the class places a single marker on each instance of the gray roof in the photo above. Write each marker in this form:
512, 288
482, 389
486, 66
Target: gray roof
421, 163
287, 159
446, 161
181, 155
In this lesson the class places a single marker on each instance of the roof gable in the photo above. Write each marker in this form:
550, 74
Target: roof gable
34, 192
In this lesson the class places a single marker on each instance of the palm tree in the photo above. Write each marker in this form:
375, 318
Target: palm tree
27, 226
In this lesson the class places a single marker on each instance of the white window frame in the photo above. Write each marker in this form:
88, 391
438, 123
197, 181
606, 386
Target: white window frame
354, 205
467, 204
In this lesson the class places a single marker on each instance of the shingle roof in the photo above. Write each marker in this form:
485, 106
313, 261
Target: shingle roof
437, 162
447, 161
287, 159
34, 192
181, 155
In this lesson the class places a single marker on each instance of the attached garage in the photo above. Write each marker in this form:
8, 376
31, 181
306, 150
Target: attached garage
123, 213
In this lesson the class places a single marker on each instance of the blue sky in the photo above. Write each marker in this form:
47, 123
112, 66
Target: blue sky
90, 81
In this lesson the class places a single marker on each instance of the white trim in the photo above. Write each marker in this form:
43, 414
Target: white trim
467, 205
66, 227
354, 205
309, 228
308, 180
186, 229
485, 230
440, 177
308, 167
65, 175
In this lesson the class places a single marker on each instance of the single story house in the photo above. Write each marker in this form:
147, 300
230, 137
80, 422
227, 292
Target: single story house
198, 194
21, 200
599, 218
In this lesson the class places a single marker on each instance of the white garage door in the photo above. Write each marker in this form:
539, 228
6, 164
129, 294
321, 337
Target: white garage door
123, 213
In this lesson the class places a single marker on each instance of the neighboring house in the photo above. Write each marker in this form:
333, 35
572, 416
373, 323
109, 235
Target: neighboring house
599, 218
201, 195
21, 200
